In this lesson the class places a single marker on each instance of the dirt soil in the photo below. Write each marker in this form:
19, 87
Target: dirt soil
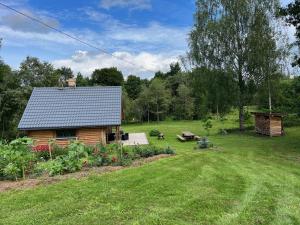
46, 180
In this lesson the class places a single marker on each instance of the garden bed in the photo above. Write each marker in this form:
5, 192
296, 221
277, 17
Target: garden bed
85, 172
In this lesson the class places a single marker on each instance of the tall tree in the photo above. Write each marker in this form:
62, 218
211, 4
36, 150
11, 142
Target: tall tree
82, 81
142, 104
292, 15
133, 86
263, 58
219, 38
34, 73
64, 74
13, 99
184, 103
159, 97
108, 77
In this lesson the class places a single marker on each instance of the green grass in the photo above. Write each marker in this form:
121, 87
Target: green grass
247, 180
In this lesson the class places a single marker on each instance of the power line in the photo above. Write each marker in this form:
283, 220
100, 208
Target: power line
70, 36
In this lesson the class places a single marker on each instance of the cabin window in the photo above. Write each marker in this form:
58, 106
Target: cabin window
66, 134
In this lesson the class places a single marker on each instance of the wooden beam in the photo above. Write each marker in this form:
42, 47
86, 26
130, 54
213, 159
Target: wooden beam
118, 134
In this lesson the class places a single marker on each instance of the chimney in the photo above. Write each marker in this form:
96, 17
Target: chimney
71, 82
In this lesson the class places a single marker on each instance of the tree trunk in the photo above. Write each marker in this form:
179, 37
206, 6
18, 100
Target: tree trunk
241, 102
270, 97
148, 115
241, 118
157, 112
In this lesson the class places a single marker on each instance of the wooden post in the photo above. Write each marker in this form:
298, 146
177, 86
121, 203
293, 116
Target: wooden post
118, 136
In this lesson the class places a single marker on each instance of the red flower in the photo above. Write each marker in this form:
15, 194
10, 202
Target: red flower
41, 148
114, 159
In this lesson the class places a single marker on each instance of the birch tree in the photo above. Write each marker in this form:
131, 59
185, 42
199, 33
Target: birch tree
220, 38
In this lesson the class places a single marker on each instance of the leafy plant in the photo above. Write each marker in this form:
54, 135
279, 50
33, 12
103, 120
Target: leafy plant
204, 143
16, 158
154, 133
12, 170
207, 126
223, 132
169, 151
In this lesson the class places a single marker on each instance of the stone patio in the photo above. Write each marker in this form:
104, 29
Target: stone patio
136, 139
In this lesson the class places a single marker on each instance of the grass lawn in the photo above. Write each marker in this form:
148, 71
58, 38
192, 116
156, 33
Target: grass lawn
247, 180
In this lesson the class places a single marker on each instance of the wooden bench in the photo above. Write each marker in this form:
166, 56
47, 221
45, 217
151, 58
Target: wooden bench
180, 138
197, 138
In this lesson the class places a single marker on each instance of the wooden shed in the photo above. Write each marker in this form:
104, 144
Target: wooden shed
270, 124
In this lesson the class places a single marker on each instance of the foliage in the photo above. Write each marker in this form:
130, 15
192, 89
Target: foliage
108, 77
133, 86
226, 36
207, 124
150, 150
64, 73
154, 133
183, 103
291, 14
223, 132
204, 143
16, 158
174, 69
159, 98
82, 81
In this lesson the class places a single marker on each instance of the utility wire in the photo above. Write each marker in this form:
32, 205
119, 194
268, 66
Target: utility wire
70, 36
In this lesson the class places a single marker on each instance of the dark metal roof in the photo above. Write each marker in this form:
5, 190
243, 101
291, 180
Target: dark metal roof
58, 108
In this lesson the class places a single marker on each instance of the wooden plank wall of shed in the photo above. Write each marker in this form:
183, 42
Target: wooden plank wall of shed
92, 136
276, 126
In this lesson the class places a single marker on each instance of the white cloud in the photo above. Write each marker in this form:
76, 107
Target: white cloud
132, 4
26, 39
20, 23
143, 64
154, 33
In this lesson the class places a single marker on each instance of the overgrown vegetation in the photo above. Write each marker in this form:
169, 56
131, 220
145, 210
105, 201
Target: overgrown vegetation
19, 159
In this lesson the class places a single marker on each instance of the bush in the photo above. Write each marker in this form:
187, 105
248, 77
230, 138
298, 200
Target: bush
223, 132
170, 151
154, 133
291, 120
58, 151
207, 125
149, 151
16, 158
55, 167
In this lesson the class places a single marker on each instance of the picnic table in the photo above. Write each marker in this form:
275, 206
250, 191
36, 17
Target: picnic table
188, 135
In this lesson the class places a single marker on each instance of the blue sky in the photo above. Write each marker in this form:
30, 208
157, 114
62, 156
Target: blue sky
149, 33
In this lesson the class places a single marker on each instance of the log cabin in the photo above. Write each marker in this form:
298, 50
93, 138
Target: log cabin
87, 114
270, 124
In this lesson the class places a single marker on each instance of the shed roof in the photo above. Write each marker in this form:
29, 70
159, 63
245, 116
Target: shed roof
267, 114
59, 108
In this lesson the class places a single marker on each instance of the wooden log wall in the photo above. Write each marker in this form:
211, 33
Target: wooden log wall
262, 124
41, 137
88, 136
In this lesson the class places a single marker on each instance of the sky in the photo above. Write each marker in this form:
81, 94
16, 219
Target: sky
147, 34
